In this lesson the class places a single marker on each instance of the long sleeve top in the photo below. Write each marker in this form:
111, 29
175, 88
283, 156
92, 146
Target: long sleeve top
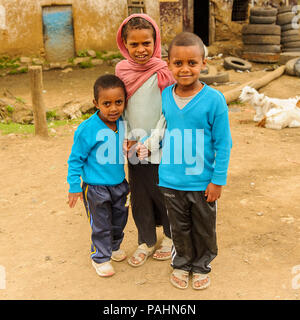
197, 142
96, 155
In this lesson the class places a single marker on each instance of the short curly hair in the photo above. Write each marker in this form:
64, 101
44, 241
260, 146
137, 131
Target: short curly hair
137, 23
108, 81
186, 39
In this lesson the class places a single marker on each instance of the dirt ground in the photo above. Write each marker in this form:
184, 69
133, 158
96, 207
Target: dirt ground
44, 245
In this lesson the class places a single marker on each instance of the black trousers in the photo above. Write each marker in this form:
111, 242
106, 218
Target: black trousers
107, 211
147, 202
193, 228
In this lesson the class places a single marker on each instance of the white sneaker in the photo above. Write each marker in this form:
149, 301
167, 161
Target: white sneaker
104, 269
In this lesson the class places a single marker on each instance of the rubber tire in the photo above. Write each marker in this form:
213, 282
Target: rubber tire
263, 12
292, 32
284, 9
221, 77
209, 70
286, 56
262, 20
262, 48
260, 39
297, 68
291, 49
289, 67
263, 29
284, 18
293, 44
237, 64
287, 27
261, 57
292, 38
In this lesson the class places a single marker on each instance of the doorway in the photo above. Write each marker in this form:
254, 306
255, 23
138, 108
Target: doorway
201, 20
58, 32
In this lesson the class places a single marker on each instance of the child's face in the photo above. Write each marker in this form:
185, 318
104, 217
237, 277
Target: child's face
111, 103
140, 45
186, 63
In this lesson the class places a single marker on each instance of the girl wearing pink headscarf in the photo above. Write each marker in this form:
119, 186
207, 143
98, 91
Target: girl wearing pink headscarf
145, 75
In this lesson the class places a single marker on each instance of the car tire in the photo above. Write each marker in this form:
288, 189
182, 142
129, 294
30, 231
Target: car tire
284, 18
292, 44
262, 20
284, 9
263, 57
221, 77
292, 32
262, 29
263, 12
289, 67
291, 49
237, 64
297, 68
260, 39
292, 38
267, 48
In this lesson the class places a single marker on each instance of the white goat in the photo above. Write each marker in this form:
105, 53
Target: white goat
273, 113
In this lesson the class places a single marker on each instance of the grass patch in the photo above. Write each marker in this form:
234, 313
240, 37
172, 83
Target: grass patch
8, 128
85, 64
236, 102
17, 128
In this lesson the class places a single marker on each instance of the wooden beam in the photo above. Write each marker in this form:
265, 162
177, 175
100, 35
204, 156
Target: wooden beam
234, 94
39, 113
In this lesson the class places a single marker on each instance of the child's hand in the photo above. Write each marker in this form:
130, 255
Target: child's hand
73, 197
129, 147
142, 151
213, 192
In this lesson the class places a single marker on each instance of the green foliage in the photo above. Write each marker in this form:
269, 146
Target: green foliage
9, 109
82, 53
52, 115
86, 64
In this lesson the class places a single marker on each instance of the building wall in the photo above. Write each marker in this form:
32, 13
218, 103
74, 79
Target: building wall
95, 24
170, 19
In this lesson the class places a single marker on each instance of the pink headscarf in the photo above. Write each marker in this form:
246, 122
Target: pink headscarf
134, 74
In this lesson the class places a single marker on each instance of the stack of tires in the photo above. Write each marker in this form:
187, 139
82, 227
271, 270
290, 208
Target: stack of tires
261, 37
290, 37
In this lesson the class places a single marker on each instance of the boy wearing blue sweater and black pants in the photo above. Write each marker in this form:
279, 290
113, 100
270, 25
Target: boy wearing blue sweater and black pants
195, 158
97, 158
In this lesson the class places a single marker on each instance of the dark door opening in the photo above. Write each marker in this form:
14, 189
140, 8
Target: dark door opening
201, 20
239, 10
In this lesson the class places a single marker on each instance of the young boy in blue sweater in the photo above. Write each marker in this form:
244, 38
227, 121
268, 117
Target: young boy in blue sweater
195, 158
97, 158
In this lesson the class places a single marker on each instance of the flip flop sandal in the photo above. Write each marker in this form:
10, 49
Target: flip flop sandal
165, 247
142, 249
180, 275
104, 269
200, 277
118, 255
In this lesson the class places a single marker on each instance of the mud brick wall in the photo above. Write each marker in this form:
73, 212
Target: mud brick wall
95, 24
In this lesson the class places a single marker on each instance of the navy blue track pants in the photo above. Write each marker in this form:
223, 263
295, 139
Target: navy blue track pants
107, 210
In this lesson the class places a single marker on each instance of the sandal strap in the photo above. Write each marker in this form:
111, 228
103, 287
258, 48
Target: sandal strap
200, 276
144, 249
180, 274
167, 242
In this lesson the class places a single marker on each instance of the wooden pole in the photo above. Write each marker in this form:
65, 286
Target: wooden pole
39, 113
234, 94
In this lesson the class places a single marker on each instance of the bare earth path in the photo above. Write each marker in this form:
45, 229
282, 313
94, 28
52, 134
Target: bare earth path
44, 245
